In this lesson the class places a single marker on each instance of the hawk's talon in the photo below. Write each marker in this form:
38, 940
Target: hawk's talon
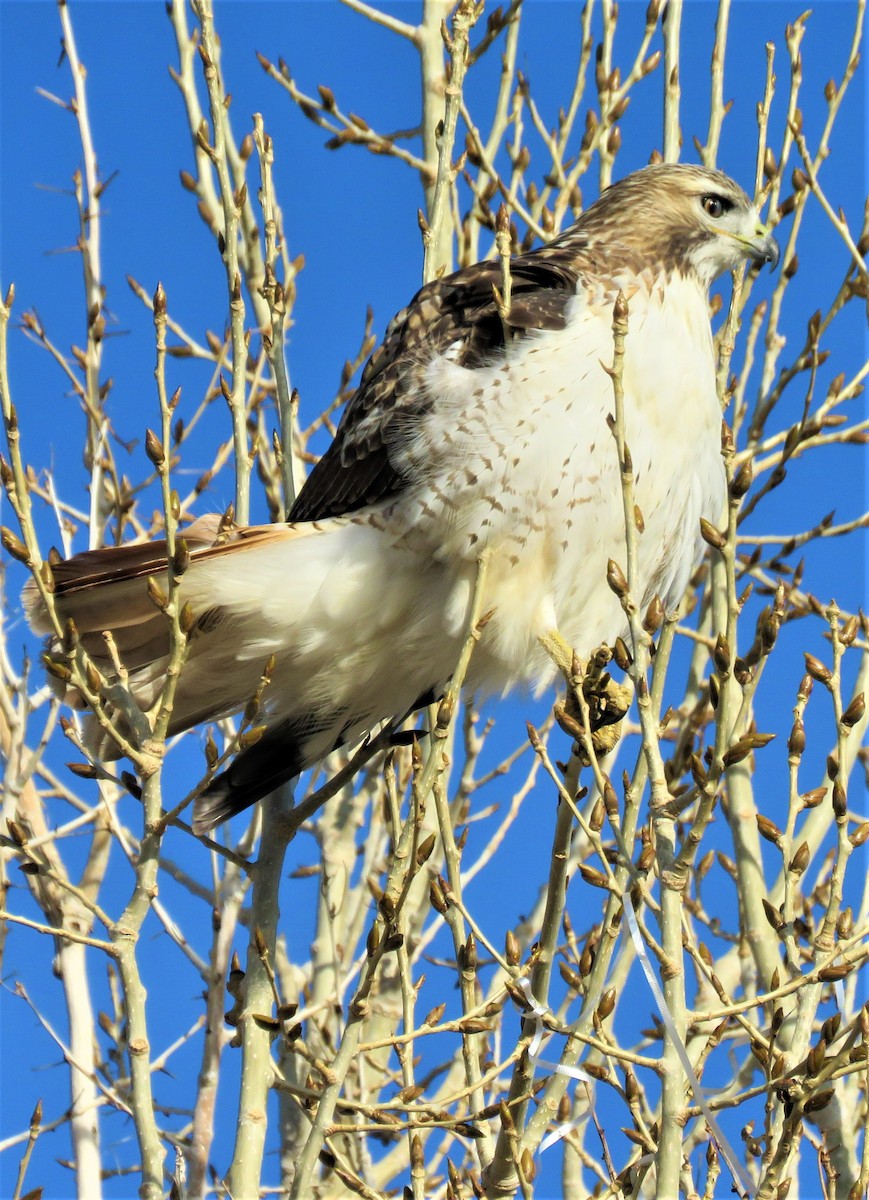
606, 702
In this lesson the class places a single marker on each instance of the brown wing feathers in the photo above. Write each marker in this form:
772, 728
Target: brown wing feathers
458, 313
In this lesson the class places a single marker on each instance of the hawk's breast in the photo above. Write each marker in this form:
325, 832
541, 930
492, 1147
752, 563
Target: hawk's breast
517, 455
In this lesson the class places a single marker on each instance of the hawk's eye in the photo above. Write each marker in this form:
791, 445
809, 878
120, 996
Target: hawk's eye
715, 206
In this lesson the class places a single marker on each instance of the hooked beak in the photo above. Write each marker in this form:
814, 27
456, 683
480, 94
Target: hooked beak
763, 248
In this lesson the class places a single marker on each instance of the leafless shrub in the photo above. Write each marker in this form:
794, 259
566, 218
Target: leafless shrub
689, 1020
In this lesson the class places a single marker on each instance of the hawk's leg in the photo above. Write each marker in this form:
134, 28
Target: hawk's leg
560, 652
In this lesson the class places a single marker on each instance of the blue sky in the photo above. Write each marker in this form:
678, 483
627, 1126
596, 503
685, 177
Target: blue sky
353, 216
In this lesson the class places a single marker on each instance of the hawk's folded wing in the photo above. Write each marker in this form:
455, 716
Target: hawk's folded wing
456, 315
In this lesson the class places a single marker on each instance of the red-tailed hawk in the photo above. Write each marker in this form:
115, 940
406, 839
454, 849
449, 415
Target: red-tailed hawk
459, 438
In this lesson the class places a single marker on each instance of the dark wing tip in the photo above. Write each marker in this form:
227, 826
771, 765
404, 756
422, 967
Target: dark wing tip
214, 806
276, 758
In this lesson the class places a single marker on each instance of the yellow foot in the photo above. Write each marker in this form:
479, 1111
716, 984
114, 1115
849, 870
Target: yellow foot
595, 705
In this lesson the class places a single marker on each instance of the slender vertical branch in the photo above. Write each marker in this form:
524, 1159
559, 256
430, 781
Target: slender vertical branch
672, 24
668, 1159
229, 899
62, 905
228, 237
717, 109
431, 778
275, 296
89, 201
125, 932
438, 237
243, 1177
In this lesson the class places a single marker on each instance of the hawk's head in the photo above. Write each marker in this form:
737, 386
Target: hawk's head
685, 218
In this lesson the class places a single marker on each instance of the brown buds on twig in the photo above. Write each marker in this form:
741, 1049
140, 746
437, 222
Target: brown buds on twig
187, 619
712, 536
181, 558
813, 798
741, 481
853, 714
424, 850
721, 656
616, 580
817, 670
860, 835
773, 915
250, 737
744, 746
768, 829
797, 739
156, 594
13, 545
436, 897
654, 618
154, 449
592, 876
621, 655
83, 770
